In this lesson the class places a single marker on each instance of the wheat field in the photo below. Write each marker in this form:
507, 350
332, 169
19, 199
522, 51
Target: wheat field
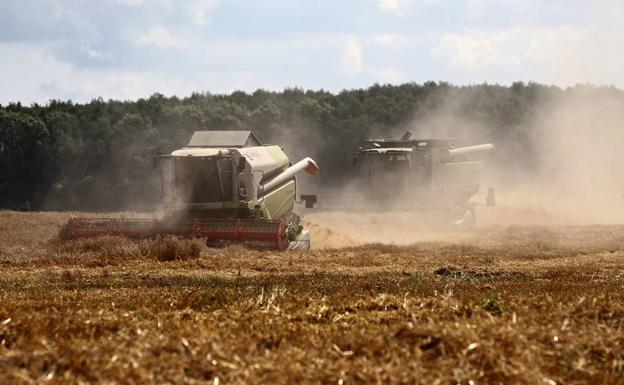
501, 305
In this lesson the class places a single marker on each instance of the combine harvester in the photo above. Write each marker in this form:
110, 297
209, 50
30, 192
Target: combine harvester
224, 187
432, 177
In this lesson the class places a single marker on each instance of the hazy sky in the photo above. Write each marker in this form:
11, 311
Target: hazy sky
127, 49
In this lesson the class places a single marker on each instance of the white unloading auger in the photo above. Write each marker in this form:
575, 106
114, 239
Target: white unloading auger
471, 150
306, 164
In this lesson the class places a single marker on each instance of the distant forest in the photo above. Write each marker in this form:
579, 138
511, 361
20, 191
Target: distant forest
100, 155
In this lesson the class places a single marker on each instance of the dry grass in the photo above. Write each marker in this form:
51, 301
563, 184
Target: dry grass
171, 249
509, 305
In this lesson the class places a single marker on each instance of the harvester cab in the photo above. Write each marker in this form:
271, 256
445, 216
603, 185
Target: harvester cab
224, 186
424, 174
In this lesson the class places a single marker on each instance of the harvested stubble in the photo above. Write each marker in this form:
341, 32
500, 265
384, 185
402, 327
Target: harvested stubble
504, 306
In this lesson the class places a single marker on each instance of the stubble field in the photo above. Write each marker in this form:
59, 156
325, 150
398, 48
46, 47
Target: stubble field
504, 304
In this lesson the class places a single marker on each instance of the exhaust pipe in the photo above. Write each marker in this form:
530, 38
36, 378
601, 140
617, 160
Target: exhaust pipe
308, 164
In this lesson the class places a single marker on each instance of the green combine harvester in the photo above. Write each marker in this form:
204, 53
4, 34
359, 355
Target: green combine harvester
433, 177
224, 187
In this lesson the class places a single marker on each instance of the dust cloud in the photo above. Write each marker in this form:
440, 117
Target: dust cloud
579, 138
563, 165
344, 229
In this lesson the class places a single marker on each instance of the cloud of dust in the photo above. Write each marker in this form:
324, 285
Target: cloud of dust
578, 137
350, 228
560, 163
300, 140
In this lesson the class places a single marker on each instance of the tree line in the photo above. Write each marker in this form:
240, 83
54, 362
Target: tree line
100, 155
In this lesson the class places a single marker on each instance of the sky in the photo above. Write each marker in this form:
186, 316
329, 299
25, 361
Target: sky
128, 49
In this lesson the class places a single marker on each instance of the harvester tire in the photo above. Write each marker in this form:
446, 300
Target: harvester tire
467, 220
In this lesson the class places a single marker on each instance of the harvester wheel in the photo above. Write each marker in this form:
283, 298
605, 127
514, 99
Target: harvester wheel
282, 238
467, 219
471, 222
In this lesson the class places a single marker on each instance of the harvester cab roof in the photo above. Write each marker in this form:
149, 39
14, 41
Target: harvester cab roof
228, 139
409, 143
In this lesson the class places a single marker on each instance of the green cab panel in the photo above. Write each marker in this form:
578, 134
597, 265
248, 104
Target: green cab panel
461, 178
281, 200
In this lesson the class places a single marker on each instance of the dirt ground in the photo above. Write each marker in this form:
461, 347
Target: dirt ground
522, 303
